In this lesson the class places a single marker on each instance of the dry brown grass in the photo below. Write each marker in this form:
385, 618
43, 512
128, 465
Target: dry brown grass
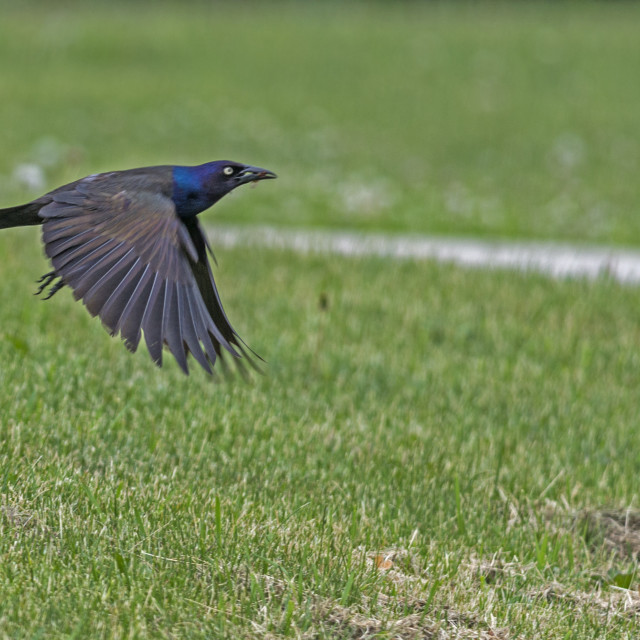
21, 521
406, 614
617, 530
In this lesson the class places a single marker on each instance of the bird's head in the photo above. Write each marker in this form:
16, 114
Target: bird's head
197, 188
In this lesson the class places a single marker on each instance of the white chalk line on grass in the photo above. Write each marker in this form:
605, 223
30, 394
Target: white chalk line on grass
557, 260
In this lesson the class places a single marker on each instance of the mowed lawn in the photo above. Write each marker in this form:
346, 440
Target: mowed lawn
432, 452
463, 430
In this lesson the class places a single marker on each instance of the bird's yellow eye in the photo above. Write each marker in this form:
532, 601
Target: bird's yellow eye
227, 171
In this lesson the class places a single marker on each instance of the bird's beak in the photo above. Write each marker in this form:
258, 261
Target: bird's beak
253, 174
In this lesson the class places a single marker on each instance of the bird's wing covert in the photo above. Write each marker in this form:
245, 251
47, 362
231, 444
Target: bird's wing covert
131, 261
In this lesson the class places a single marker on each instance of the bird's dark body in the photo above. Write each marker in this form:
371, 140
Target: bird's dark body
129, 245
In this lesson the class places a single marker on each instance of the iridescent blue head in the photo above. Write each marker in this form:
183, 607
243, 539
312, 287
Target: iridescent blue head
197, 188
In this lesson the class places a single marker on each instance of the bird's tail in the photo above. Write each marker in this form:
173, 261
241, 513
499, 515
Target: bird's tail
20, 216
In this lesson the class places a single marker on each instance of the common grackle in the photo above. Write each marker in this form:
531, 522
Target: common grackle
129, 245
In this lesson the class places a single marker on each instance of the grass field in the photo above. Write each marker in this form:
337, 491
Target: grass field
498, 120
433, 452
468, 422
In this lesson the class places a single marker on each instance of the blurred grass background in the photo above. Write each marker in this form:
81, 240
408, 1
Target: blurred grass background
471, 424
507, 120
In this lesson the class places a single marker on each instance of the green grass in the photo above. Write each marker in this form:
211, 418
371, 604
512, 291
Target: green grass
494, 120
434, 450
461, 420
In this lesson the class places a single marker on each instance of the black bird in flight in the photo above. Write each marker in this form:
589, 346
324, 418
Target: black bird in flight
129, 245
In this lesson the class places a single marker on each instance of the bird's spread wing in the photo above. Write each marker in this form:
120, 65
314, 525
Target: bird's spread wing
137, 266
